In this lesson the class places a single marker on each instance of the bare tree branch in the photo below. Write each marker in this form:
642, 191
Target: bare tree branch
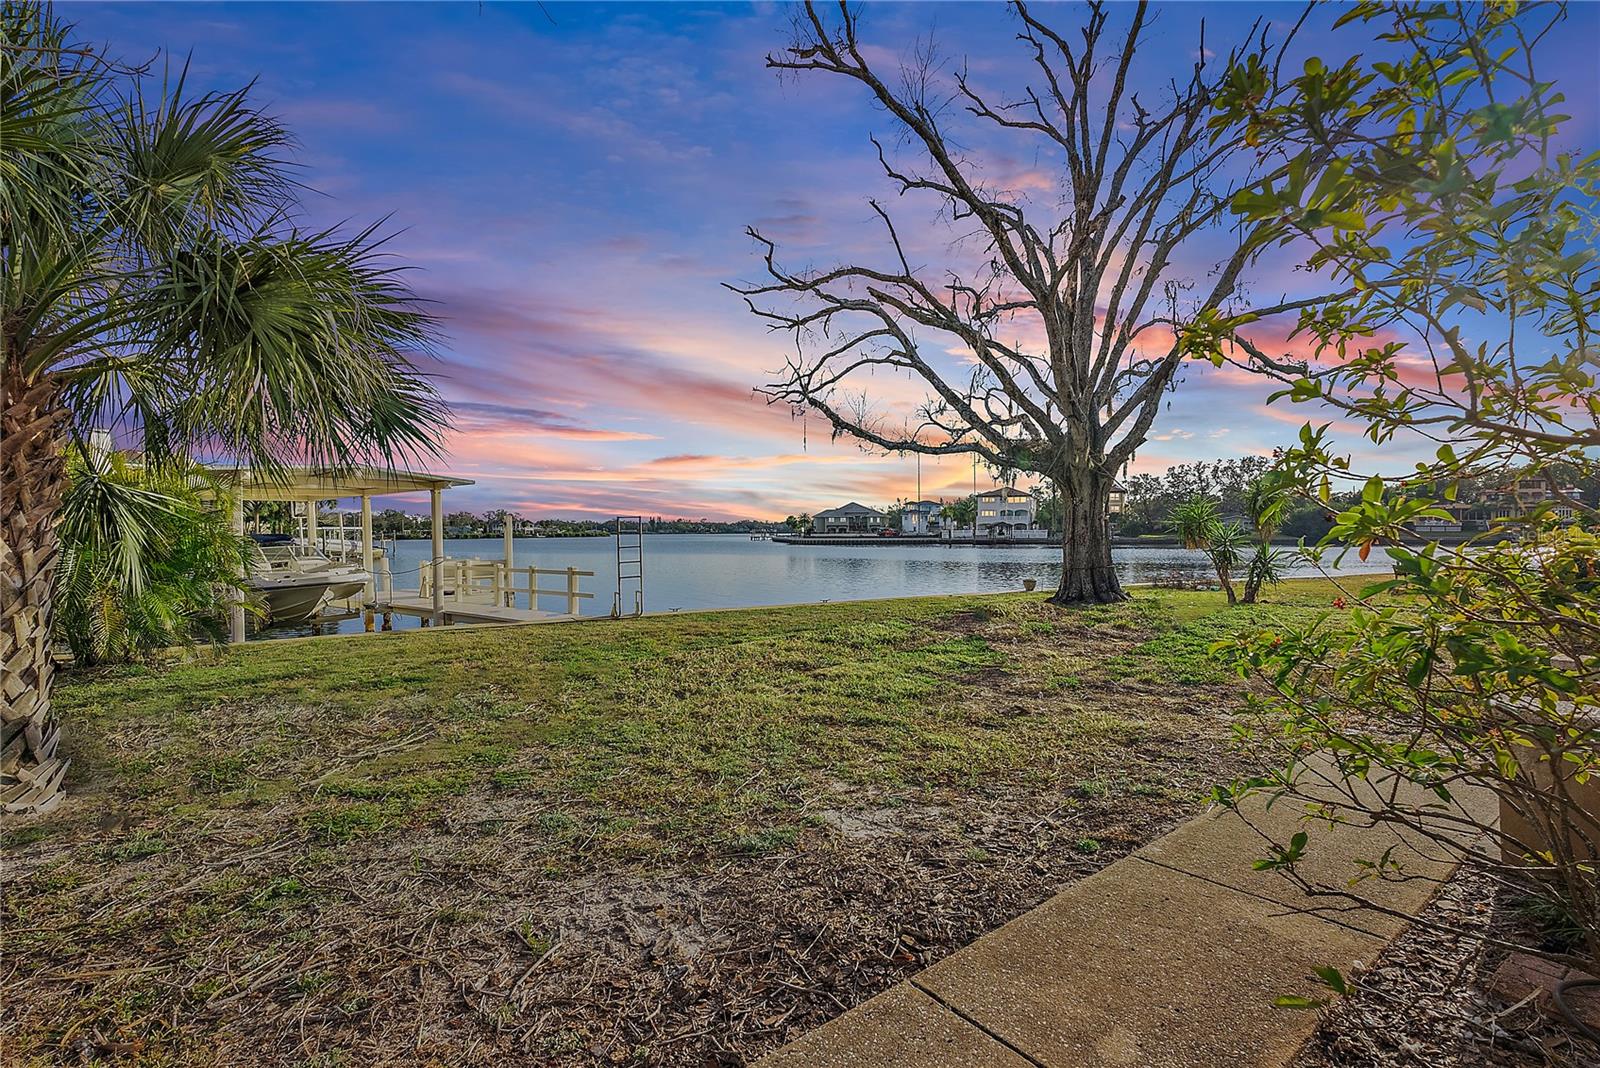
1073, 313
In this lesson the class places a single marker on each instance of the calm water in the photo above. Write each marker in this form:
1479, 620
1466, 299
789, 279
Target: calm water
689, 571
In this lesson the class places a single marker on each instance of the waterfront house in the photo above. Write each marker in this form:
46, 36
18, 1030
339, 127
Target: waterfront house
922, 517
1008, 512
1526, 494
851, 518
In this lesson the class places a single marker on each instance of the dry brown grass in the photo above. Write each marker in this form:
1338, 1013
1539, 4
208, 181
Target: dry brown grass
675, 842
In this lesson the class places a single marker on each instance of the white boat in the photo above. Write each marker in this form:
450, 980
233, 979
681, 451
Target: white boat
296, 580
289, 598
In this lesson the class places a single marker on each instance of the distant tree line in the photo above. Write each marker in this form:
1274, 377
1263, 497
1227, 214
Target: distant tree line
394, 523
1149, 508
1153, 501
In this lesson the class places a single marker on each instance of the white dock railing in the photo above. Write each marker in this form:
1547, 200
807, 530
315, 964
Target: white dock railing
490, 582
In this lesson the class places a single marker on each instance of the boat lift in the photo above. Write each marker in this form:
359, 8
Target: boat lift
445, 590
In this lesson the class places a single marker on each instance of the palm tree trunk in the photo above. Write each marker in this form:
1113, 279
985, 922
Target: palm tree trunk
1225, 580
1253, 577
1087, 574
32, 480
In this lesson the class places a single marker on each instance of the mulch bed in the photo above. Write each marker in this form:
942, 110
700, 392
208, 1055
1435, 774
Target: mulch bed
1425, 1004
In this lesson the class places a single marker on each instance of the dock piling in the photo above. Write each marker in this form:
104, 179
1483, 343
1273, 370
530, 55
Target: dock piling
236, 602
438, 556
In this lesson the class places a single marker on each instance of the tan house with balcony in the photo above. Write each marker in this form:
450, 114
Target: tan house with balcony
1526, 494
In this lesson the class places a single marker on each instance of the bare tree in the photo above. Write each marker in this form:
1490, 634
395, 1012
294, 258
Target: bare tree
1102, 281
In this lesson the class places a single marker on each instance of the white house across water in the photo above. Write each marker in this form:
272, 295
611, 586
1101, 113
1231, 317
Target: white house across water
922, 517
1008, 512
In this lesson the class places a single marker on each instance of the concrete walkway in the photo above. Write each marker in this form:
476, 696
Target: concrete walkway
1169, 958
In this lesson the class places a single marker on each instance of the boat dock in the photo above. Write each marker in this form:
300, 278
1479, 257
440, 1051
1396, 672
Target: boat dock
478, 591
447, 590
422, 608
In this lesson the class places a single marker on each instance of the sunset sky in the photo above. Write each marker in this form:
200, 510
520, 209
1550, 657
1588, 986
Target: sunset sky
573, 184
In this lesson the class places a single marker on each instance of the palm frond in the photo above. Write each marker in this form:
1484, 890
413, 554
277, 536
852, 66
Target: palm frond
1227, 546
153, 267
298, 349
106, 514
1267, 499
1195, 522
149, 558
49, 94
186, 165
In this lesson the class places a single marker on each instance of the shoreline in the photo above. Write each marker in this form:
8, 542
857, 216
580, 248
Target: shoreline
1152, 541
1158, 542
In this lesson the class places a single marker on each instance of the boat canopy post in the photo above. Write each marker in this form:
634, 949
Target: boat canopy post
367, 563
438, 556
311, 523
236, 602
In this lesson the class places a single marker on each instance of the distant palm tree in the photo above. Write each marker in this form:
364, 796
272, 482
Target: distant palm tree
1267, 499
1199, 526
1195, 521
154, 279
962, 513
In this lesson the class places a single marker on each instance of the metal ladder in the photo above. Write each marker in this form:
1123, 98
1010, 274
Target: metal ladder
630, 565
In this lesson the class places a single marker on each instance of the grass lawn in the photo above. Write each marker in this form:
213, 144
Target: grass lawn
673, 841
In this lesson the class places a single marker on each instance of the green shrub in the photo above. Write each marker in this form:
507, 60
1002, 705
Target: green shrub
148, 559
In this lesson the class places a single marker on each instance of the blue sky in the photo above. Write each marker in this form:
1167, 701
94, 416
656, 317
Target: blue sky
572, 184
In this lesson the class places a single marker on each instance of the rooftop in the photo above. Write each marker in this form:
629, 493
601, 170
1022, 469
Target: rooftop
847, 509
325, 483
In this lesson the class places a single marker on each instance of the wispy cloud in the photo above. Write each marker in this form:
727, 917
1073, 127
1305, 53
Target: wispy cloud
471, 415
572, 196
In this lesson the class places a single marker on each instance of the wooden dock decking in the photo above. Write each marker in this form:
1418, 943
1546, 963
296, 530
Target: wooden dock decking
411, 603
476, 591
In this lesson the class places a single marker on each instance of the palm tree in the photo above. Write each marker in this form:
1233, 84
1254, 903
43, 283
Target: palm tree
270, 517
1266, 499
155, 281
1194, 521
149, 559
962, 513
1199, 526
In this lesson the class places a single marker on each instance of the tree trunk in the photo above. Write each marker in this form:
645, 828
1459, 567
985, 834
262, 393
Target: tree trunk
1087, 574
1226, 582
32, 480
1253, 577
